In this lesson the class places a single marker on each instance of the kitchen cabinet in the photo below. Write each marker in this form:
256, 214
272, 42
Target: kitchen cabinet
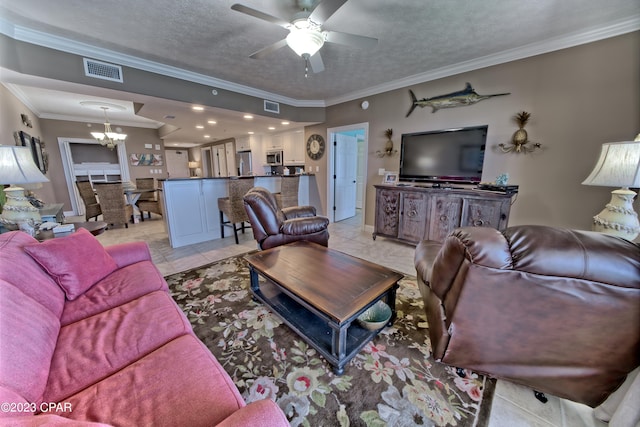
294, 148
247, 143
273, 142
412, 213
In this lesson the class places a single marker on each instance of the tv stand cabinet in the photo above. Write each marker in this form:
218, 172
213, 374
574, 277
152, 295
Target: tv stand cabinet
412, 213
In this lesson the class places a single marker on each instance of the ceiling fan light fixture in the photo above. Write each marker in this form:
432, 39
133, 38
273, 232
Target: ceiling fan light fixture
305, 41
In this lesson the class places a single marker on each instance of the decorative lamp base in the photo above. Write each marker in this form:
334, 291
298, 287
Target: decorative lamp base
618, 218
18, 209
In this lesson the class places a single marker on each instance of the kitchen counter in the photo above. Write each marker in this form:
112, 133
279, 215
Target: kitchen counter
235, 177
191, 204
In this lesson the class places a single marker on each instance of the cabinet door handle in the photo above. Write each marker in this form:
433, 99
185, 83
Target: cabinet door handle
443, 218
412, 213
478, 223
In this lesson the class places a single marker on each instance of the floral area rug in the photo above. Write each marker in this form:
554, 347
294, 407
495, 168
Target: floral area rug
393, 381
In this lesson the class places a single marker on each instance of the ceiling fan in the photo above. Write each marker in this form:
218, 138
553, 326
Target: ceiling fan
306, 35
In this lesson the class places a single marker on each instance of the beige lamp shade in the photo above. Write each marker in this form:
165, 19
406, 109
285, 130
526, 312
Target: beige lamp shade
618, 166
17, 167
194, 165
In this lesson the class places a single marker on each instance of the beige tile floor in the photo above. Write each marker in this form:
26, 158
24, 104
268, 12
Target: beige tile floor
513, 405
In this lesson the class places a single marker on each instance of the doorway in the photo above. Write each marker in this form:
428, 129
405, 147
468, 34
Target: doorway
207, 166
346, 170
177, 163
86, 159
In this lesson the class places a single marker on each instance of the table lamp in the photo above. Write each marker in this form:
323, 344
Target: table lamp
618, 166
17, 167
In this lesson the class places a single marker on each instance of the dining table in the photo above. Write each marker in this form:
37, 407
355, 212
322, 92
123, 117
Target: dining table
132, 195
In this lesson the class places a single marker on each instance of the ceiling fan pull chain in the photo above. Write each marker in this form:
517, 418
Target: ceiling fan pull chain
306, 67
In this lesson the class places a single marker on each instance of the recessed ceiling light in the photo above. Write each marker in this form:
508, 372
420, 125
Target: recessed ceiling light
285, 123
199, 127
212, 122
272, 128
250, 133
197, 108
207, 136
248, 116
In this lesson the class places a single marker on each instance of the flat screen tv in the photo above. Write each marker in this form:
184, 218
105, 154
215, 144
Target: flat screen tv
443, 156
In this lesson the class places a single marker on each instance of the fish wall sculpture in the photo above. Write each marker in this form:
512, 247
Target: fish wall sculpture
468, 96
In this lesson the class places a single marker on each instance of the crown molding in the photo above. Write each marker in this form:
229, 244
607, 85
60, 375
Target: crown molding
617, 28
18, 93
66, 45
92, 121
27, 35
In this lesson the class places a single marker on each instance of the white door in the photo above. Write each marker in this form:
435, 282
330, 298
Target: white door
231, 159
207, 167
346, 175
177, 163
221, 160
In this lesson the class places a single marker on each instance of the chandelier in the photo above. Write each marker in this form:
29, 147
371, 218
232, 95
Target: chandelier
108, 138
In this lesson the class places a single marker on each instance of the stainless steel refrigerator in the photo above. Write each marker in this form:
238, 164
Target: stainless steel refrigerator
243, 163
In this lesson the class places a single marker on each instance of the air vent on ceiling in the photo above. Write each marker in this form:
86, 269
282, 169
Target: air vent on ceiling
102, 70
272, 107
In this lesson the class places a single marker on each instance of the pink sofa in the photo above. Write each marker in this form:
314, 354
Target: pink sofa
91, 335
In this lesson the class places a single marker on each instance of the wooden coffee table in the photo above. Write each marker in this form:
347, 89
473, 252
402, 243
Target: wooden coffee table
319, 293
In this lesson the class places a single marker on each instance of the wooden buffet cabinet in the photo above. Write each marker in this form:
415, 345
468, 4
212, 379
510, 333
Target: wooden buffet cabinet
413, 213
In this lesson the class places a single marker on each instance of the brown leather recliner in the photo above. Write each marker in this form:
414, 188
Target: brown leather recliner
274, 227
554, 309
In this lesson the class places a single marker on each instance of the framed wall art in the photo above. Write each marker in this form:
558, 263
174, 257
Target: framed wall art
390, 178
146, 159
36, 149
38, 154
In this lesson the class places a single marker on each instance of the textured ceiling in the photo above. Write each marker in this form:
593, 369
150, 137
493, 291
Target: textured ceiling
415, 36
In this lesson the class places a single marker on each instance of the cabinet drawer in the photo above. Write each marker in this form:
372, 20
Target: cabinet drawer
387, 212
444, 217
484, 213
413, 217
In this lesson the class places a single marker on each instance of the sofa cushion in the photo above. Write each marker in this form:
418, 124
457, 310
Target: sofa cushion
76, 262
28, 334
179, 384
121, 286
94, 348
18, 265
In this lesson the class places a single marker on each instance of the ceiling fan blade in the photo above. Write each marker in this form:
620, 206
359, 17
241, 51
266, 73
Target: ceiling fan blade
325, 9
316, 63
354, 40
260, 15
269, 49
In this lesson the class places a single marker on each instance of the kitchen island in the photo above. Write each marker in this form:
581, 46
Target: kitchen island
191, 204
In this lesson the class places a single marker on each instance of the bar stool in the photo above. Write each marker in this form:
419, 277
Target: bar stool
288, 195
233, 206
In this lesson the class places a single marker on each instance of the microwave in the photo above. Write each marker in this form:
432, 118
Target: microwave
274, 158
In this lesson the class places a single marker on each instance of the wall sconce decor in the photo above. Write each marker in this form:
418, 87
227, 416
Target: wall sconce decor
520, 138
388, 148
26, 121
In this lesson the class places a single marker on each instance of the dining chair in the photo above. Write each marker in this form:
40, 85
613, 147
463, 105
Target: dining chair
115, 210
91, 206
148, 201
233, 206
288, 195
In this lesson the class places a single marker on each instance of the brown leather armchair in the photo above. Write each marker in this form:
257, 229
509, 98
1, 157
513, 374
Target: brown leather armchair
554, 309
274, 227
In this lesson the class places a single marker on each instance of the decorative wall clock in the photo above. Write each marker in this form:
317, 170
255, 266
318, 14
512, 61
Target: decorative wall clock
315, 147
